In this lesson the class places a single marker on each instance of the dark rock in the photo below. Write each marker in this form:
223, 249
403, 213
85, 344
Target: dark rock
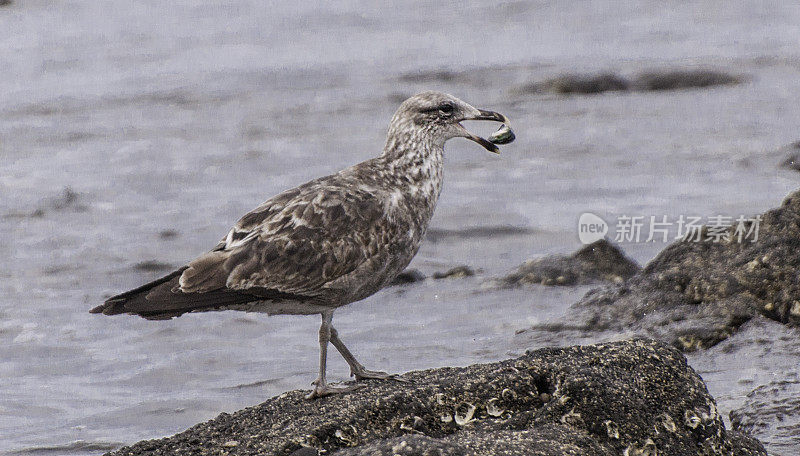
683, 79
792, 160
630, 397
408, 276
598, 261
648, 81
168, 234
457, 272
476, 232
152, 266
5, 2
430, 76
697, 293
581, 84
772, 413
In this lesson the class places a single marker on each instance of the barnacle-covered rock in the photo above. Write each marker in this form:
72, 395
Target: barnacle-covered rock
600, 261
695, 294
638, 396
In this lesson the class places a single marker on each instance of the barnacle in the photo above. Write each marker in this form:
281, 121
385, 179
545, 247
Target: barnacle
508, 394
668, 423
691, 419
468, 413
612, 429
492, 409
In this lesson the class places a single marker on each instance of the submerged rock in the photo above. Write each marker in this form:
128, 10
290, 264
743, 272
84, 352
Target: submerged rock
580, 84
682, 79
408, 276
598, 261
655, 80
696, 293
629, 397
152, 266
458, 272
441, 75
605, 82
168, 234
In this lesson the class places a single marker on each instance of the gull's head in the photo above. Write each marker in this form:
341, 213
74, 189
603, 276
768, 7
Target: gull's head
437, 117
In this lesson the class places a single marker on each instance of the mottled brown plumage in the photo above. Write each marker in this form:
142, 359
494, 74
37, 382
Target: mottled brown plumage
327, 243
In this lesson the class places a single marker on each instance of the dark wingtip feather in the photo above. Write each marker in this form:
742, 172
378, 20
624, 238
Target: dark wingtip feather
98, 309
162, 299
110, 307
115, 305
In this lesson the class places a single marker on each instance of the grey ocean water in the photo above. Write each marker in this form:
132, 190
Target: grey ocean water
134, 133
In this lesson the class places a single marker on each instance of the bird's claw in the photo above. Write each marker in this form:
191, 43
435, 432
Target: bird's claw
363, 374
327, 390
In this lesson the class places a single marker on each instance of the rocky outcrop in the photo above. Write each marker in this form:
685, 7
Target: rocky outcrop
697, 293
633, 397
596, 262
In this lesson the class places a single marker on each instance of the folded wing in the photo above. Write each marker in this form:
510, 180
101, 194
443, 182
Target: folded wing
289, 248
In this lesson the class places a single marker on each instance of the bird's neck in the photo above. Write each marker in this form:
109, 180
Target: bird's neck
413, 155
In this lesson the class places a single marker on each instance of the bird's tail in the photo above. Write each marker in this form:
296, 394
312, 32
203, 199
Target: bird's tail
164, 298
127, 302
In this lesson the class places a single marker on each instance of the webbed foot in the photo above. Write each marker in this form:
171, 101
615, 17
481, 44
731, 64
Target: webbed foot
364, 374
322, 389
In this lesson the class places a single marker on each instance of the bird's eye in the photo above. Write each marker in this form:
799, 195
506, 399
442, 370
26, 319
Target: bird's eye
446, 107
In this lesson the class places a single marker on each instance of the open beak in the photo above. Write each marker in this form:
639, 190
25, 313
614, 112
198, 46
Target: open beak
491, 115
506, 137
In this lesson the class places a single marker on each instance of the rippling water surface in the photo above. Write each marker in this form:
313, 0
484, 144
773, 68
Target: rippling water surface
133, 134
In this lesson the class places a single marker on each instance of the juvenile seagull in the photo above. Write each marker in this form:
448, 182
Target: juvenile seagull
327, 243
